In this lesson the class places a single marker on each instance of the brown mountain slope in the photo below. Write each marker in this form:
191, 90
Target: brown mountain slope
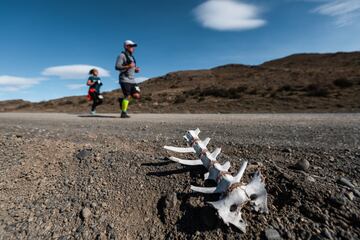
297, 83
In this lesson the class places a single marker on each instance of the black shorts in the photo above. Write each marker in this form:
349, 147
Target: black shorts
129, 88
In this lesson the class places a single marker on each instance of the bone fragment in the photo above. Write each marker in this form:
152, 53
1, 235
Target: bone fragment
180, 149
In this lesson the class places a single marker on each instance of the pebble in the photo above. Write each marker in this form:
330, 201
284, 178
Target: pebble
337, 201
85, 213
81, 155
302, 165
356, 192
272, 234
346, 182
350, 195
326, 233
101, 236
287, 150
310, 179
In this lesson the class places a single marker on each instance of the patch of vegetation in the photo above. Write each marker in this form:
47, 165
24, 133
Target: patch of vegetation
253, 91
315, 90
232, 93
147, 98
23, 105
200, 99
66, 102
180, 99
82, 101
343, 83
285, 88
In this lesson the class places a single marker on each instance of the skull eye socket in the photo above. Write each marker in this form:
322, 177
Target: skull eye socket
233, 208
253, 197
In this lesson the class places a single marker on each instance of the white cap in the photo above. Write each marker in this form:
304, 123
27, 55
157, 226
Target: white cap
129, 42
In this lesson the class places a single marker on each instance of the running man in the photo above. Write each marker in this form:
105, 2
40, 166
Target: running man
126, 65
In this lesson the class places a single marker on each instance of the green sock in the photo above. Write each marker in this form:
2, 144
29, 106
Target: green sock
124, 105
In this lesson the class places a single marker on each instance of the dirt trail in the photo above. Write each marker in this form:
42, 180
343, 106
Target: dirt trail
68, 176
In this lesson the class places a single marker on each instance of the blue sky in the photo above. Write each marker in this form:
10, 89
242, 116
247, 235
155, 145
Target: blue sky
46, 47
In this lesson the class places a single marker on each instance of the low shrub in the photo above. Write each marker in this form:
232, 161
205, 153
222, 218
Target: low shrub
343, 83
285, 88
315, 90
180, 99
253, 91
82, 101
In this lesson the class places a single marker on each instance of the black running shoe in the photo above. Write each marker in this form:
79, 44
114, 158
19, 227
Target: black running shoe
124, 115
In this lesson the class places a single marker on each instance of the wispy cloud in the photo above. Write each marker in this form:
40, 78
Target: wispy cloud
345, 11
225, 15
141, 79
76, 86
14, 83
80, 71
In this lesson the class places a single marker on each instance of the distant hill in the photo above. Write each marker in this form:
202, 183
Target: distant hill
297, 83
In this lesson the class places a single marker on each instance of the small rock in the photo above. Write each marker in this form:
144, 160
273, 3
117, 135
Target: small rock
302, 165
310, 179
272, 234
85, 213
326, 233
350, 195
337, 201
356, 192
93, 205
101, 236
171, 200
91, 180
346, 182
81, 155
287, 150
332, 159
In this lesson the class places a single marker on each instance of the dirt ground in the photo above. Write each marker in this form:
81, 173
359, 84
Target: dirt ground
68, 176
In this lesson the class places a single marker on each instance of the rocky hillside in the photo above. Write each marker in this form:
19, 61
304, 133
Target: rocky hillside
297, 83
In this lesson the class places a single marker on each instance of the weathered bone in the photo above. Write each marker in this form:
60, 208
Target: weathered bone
192, 135
257, 193
208, 159
225, 209
234, 195
229, 208
215, 170
186, 161
200, 146
180, 149
224, 182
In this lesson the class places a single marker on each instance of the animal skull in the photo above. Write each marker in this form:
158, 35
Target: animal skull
229, 207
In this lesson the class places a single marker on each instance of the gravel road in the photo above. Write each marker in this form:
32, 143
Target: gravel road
69, 176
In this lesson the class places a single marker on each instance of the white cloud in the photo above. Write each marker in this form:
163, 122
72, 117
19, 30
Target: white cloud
228, 15
141, 79
80, 71
76, 86
345, 11
13, 83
